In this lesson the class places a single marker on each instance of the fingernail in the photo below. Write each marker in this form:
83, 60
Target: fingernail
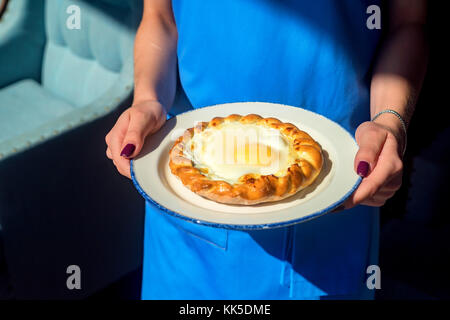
128, 150
363, 169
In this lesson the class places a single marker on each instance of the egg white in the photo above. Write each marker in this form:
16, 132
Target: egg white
221, 155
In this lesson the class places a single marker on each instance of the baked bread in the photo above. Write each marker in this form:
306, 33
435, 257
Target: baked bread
278, 162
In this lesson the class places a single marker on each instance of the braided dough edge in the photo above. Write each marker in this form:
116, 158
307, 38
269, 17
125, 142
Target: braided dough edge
250, 188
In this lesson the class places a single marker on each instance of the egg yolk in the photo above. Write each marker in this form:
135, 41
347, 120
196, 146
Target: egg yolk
236, 150
254, 154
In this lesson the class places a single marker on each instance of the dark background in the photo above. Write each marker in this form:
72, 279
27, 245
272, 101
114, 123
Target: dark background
415, 223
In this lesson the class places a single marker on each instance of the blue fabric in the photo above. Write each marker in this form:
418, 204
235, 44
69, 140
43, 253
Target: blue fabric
311, 54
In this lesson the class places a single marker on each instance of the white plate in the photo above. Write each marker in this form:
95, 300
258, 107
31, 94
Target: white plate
152, 177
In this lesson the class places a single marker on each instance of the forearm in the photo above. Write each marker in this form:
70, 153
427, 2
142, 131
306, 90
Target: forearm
398, 76
399, 73
155, 60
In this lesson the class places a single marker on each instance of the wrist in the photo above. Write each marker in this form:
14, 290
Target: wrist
150, 106
143, 99
391, 122
150, 99
395, 124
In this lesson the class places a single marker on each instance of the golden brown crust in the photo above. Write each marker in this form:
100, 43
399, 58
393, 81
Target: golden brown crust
251, 188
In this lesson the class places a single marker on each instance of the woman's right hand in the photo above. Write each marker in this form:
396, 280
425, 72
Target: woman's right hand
126, 138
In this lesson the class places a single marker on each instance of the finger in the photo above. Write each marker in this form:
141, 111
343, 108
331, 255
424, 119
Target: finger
370, 142
379, 199
123, 168
115, 139
140, 125
374, 202
384, 193
388, 165
108, 153
394, 183
123, 165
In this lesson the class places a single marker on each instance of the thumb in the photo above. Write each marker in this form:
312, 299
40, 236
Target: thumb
139, 126
370, 142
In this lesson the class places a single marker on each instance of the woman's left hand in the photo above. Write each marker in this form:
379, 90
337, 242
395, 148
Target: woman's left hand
379, 162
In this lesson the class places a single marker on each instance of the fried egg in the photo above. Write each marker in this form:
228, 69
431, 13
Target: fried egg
235, 149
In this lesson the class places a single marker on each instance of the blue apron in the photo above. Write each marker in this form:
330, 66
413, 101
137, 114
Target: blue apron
311, 54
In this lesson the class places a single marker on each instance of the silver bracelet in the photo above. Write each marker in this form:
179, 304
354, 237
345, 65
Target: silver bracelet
395, 113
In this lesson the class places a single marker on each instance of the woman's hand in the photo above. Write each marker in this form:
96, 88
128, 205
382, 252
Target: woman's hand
126, 138
379, 162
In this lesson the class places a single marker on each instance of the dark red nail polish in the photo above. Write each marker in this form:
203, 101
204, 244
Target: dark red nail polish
363, 169
128, 150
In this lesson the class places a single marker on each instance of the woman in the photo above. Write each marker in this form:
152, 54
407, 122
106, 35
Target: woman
316, 55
